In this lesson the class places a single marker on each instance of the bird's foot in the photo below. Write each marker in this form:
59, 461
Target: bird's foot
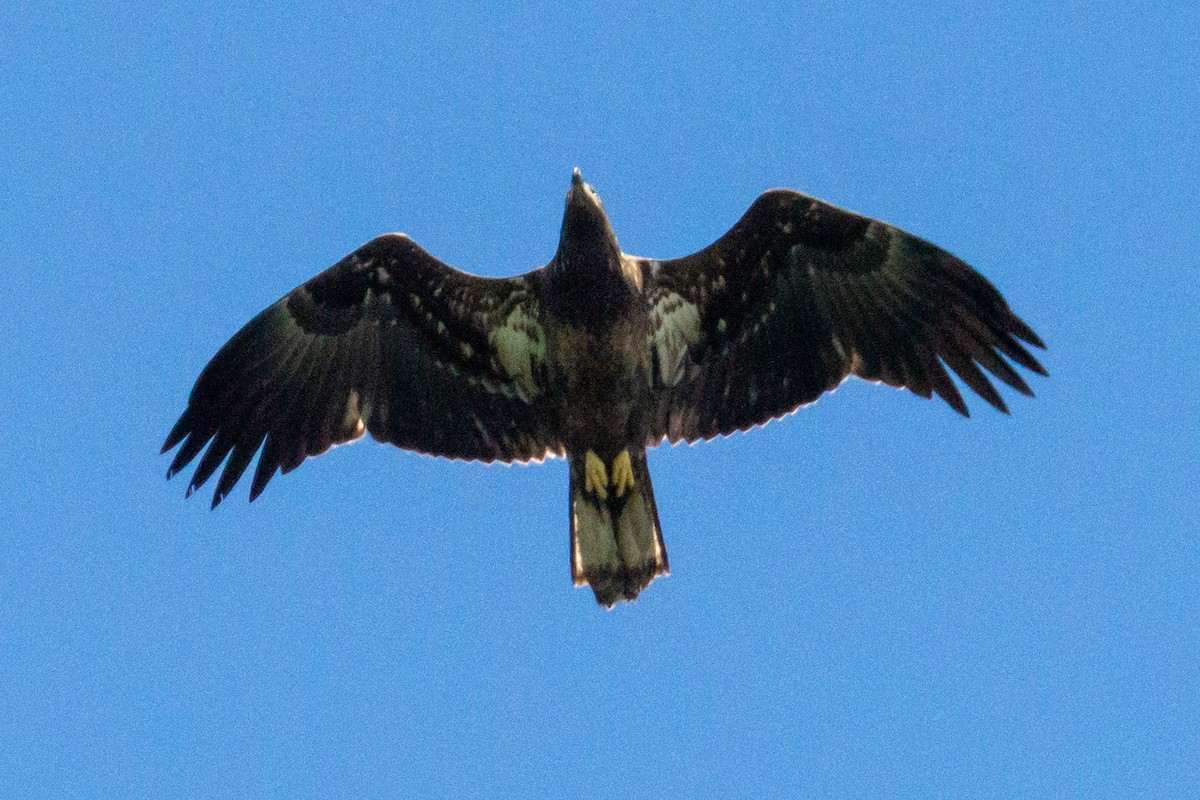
595, 476
622, 474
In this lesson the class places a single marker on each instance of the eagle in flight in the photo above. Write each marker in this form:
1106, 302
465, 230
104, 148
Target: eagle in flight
597, 356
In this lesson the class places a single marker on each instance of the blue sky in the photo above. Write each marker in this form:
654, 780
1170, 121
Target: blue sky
872, 598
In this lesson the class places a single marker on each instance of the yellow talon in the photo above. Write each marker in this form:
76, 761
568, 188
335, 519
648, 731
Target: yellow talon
595, 477
622, 473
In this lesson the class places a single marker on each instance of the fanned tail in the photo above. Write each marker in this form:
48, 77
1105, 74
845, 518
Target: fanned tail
616, 541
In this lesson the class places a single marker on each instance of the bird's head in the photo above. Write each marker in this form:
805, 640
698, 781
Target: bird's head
581, 192
587, 240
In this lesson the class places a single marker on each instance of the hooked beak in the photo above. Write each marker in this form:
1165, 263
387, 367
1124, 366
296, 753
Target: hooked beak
581, 192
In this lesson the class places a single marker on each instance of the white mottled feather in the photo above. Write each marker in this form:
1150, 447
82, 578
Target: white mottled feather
676, 328
520, 347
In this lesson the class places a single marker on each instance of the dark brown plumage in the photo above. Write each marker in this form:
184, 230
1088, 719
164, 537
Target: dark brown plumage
596, 356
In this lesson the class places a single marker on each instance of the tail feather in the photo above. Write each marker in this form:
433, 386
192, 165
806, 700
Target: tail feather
616, 543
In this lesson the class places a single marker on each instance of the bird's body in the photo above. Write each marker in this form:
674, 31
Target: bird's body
596, 392
596, 356
596, 353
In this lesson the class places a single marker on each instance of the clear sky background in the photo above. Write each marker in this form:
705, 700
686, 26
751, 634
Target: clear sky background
872, 598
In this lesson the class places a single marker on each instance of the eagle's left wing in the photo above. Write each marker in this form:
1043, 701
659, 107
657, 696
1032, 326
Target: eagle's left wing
797, 296
390, 341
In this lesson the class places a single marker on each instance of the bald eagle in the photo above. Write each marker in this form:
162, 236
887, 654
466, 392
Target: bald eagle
597, 356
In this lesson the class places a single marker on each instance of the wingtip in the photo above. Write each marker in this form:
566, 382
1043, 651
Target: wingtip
1021, 386
1033, 365
178, 431
1023, 331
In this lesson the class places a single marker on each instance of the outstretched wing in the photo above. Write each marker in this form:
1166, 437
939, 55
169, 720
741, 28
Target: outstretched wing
389, 340
799, 295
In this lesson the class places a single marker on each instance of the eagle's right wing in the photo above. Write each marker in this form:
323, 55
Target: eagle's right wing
797, 296
389, 340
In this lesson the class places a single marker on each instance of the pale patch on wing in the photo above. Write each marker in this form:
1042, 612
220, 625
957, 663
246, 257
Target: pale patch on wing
676, 324
519, 345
